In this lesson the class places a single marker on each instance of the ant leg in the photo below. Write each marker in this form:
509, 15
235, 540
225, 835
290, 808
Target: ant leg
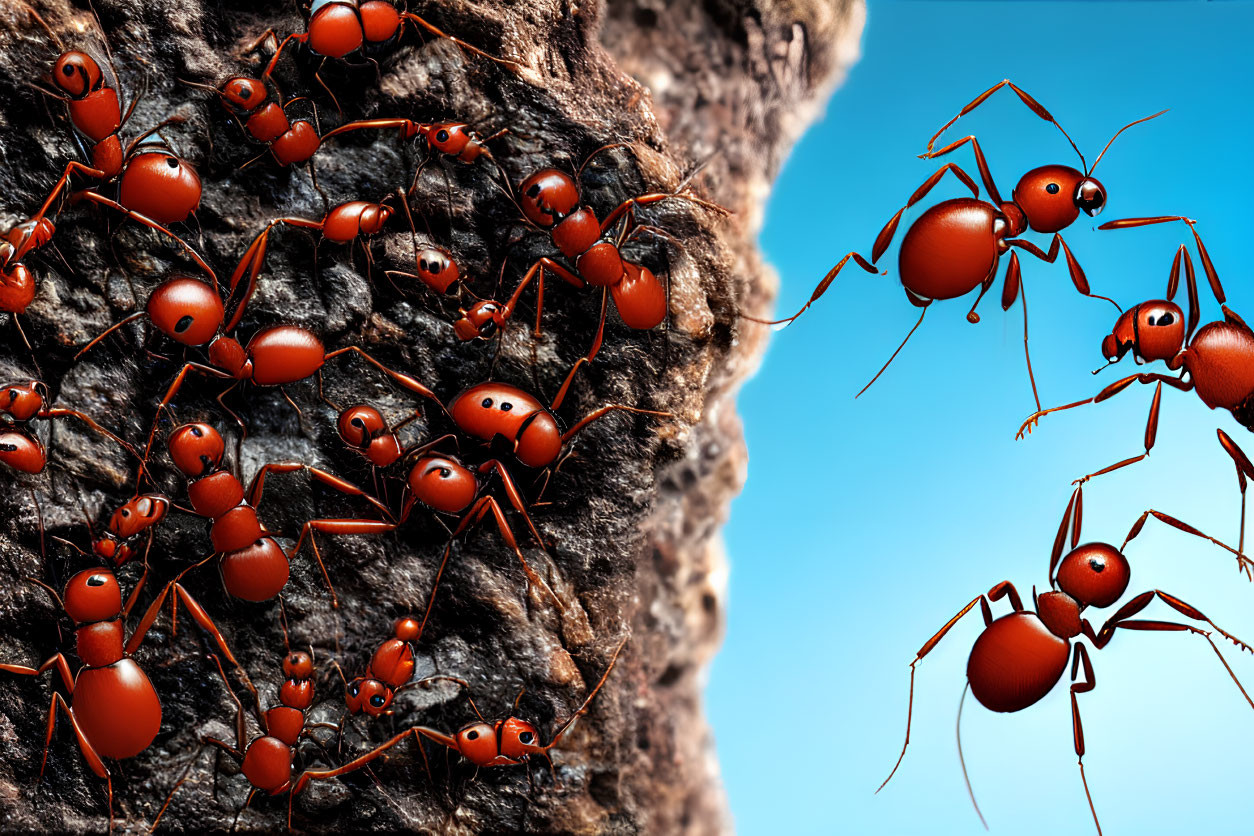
1078, 278
58, 661
71, 167
335, 526
1013, 289
884, 368
606, 410
151, 224
587, 358
515, 498
1151, 433
489, 503
1005, 588
985, 175
868, 266
1211, 275
404, 380
1109, 392
257, 487
886, 234
197, 613
1077, 728
417, 21
972, 316
351, 766
1032, 104
1244, 564
89, 753
962, 761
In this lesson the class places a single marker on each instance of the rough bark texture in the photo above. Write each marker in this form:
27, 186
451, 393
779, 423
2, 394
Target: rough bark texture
631, 517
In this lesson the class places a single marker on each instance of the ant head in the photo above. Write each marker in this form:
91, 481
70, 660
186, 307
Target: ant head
298, 665
1094, 574
186, 310
436, 269
368, 695
373, 217
406, 629
480, 321
519, 739
76, 74
1052, 196
140, 513
446, 137
244, 93
443, 483
23, 401
30, 235
22, 452
1152, 330
196, 449
548, 196
93, 595
477, 743
359, 425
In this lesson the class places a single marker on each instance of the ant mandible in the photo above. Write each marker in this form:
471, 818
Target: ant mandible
113, 707
550, 200
956, 245
22, 403
509, 742
155, 187
254, 567
340, 29
1217, 361
1021, 656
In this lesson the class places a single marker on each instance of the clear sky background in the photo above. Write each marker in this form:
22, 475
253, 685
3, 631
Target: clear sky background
867, 524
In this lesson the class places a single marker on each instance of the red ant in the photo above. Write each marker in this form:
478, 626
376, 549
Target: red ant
452, 139
265, 120
17, 283
22, 403
1021, 656
1218, 359
254, 567
509, 742
267, 761
155, 187
339, 29
343, 224
550, 200
191, 313
136, 516
514, 422
113, 707
389, 670
955, 246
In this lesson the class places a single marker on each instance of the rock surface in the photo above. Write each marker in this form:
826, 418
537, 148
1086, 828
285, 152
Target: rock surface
632, 515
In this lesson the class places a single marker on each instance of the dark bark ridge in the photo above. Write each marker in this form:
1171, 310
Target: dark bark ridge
630, 518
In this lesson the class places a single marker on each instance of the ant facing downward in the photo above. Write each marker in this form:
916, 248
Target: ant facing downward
956, 245
1021, 656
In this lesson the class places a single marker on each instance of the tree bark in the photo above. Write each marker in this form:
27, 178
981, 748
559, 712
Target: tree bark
631, 517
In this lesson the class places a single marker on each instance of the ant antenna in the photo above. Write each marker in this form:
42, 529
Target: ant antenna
1116, 136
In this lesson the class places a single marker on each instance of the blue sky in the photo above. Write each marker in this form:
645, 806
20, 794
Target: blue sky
865, 525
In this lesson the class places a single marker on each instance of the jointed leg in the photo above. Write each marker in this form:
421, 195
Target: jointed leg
885, 236
89, 753
1245, 470
1032, 104
151, 224
404, 380
1207, 265
1077, 728
336, 526
1003, 589
1244, 564
1109, 392
1078, 278
258, 484
1013, 289
351, 766
606, 410
820, 289
1151, 433
985, 175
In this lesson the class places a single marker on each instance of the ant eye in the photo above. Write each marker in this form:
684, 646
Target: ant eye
472, 735
445, 473
442, 136
197, 431
377, 701
353, 689
1052, 188
67, 70
534, 190
526, 738
1097, 564
506, 407
171, 162
487, 403
96, 580
183, 324
1165, 319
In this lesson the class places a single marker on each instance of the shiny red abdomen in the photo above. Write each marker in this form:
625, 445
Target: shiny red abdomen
117, 709
268, 764
1015, 662
284, 354
949, 250
1220, 360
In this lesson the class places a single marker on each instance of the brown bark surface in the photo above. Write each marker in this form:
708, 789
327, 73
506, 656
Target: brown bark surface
631, 518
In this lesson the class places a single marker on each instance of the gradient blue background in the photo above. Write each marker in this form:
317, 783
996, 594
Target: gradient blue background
866, 525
